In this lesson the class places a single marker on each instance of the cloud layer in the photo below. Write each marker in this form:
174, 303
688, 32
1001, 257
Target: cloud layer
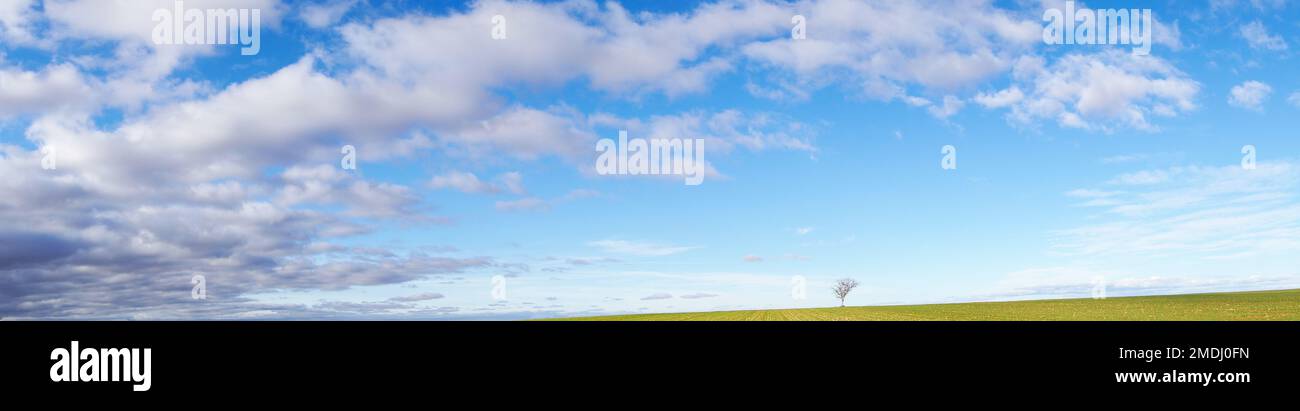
162, 174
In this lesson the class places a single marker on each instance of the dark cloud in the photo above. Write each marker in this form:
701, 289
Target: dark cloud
417, 297
657, 296
19, 249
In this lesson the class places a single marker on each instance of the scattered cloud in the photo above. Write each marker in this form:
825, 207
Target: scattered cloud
639, 248
1211, 212
1000, 99
696, 296
887, 47
1080, 282
164, 173
1104, 91
1250, 95
54, 88
1258, 37
325, 14
465, 182
417, 297
17, 18
657, 296
523, 204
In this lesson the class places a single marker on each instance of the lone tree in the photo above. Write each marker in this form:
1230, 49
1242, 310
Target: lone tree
842, 288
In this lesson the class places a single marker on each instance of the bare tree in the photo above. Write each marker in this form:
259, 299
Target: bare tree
842, 288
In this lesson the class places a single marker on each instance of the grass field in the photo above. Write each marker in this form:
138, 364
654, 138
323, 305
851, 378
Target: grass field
1239, 306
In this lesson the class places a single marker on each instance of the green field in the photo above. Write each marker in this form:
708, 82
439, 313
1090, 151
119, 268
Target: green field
1240, 306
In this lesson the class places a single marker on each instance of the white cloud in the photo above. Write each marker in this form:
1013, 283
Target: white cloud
1167, 35
1257, 35
1090, 193
951, 105
524, 133
16, 21
1124, 158
417, 297
580, 193
327, 184
1144, 177
140, 229
513, 182
898, 43
899, 50
1103, 91
325, 14
1205, 212
182, 184
617, 51
182, 187
466, 182
1249, 95
137, 71
1000, 99
722, 131
910, 53
782, 91
1294, 99
132, 20
655, 51
1260, 5
694, 296
638, 248
657, 296
53, 88
1078, 281
523, 204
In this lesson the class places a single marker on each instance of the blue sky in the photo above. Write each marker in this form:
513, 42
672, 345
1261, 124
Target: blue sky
1076, 164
